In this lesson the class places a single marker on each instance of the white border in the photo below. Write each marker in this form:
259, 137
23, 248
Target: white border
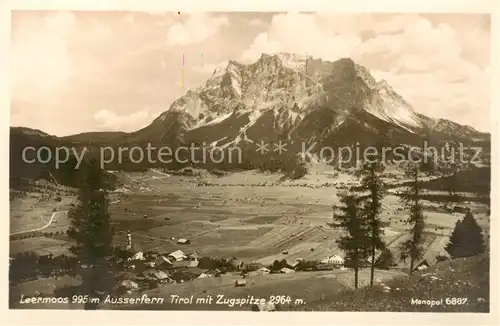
66, 317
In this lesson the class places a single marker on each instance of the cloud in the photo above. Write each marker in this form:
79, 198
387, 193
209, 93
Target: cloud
315, 38
438, 68
109, 120
39, 58
197, 28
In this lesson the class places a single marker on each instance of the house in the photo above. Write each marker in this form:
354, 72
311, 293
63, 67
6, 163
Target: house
194, 256
335, 260
151, 255
422, 265
161, 262
185, 275
177, 255
194, 263
238, 265
162, 276
138, 256
239, 283
129, 285
183, 241
264, 270
180, 264
295, 263
287, 270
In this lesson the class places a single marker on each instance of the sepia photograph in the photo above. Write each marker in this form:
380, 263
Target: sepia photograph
250, 161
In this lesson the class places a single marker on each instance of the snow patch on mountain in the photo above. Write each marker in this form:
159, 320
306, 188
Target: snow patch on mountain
389, 106
293, 61
236, 79
216, 120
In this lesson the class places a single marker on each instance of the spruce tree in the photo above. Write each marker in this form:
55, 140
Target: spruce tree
91, 230
412, 247
373, 191
385, 260
355, 243
466, 239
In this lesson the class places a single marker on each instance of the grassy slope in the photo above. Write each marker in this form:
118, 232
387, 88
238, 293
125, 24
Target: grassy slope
459, 278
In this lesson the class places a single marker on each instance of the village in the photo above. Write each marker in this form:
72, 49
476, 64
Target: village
145, 270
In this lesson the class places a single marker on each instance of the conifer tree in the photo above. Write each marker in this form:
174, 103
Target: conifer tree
90, 228
373, 191
466, 239
355, 243
412, 248
385, 260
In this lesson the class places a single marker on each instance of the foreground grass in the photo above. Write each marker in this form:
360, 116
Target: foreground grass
459, 278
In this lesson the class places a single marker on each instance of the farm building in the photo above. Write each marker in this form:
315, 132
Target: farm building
177, 255
237, 264
162, 262
264, 270
177, 264
194, 263
422, 265
138, 256
194, 256
295, 263
335, 260
183, 241
129, 285
162, 276
239, 283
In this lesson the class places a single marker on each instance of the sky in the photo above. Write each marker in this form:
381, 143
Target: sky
75, 72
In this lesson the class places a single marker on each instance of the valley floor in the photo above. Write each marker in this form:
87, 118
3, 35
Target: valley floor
252, 223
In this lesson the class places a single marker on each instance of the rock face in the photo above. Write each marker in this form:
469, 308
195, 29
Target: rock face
298, 98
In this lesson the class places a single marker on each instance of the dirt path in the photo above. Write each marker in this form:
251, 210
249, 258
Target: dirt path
40, 228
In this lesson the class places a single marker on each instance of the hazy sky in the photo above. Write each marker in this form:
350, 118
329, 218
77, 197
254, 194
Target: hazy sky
87, 71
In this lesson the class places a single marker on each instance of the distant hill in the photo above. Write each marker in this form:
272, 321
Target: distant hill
20, 170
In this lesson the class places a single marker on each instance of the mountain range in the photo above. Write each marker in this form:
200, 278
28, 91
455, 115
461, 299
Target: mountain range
280, 97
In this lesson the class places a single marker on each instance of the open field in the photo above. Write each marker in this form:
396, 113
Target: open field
249, 222
32, 244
